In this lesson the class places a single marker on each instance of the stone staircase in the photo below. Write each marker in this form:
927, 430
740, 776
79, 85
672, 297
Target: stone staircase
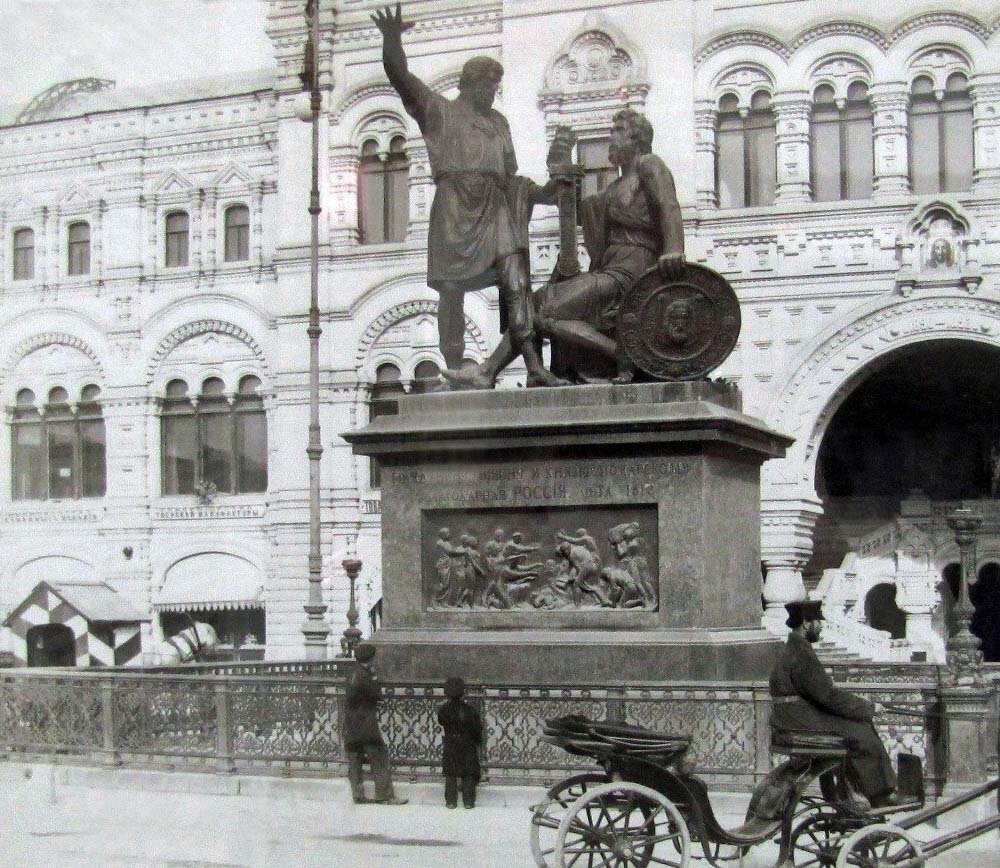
830, 652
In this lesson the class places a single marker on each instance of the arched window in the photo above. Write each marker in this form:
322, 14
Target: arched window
176, 241
746, 166
941, 152
214, 437
58, 453
426, 377
383, 402
843, 160
237, 229
384, 192
78, 248
24, 254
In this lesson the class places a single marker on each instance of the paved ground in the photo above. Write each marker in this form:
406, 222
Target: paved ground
66, 816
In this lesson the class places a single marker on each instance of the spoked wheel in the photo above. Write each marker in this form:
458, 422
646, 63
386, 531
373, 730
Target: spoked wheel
816, 841
547, 815
622, 825
881, 846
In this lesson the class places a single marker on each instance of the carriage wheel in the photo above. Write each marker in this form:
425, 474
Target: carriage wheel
547, 815
622, 825
881, 846
816, 840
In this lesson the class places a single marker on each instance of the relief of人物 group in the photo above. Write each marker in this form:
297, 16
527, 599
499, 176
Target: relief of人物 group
570, 572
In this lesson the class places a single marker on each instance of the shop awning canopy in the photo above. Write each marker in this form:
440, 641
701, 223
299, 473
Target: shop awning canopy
210, 581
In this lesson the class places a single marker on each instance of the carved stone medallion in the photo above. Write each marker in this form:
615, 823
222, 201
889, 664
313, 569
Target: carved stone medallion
681, 330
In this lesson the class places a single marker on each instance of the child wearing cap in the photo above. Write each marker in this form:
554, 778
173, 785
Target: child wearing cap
463, 734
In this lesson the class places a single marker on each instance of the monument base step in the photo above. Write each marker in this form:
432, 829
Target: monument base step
563, 658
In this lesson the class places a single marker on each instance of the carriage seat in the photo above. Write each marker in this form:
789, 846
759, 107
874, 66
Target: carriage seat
806, 743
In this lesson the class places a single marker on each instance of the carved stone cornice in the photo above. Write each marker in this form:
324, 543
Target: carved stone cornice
193, 329
403, 311
882, 40
740, 38
36, 342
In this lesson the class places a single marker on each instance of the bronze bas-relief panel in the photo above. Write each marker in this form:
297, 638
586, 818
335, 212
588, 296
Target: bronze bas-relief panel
540, 559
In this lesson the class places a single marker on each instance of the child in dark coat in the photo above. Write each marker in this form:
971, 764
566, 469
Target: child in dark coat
463, 733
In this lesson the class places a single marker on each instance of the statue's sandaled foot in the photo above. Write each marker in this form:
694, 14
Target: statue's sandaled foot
471, 378
623, 378
545, 379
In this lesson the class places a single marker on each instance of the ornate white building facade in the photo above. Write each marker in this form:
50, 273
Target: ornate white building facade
842, 172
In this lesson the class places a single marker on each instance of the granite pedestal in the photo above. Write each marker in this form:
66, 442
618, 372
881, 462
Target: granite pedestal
624, 519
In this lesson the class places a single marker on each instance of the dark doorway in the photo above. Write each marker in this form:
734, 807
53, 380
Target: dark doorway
922, 419
51, 645
985, 596
882, 612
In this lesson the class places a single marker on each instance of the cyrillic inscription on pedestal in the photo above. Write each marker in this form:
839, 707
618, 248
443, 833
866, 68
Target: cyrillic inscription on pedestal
541, 559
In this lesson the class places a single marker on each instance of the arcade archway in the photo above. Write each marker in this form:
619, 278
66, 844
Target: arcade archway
924, 419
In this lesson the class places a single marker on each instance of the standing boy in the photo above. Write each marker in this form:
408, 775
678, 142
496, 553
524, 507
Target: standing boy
463, 734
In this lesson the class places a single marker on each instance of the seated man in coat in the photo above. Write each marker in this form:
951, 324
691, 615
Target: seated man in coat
805, 700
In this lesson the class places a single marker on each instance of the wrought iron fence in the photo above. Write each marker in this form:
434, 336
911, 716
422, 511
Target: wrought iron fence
292, 723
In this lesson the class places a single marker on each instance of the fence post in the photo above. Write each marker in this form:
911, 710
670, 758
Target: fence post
223, 731
762, 730
111, 755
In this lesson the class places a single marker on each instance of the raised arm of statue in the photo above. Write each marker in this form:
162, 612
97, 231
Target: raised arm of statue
412, 90
658, 185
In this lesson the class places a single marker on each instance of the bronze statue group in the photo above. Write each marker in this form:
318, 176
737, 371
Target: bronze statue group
478, 237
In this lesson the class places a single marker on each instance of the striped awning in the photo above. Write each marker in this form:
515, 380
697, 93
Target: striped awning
210, 581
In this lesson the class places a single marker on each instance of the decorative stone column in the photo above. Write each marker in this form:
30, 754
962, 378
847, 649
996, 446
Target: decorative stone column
786, 545
917, 596
421, 193
890, 103
985, 92
791, 109
210, 221
706, 152
42, 260
343, 204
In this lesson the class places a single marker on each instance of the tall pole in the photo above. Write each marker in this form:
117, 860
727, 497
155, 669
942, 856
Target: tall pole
315, 628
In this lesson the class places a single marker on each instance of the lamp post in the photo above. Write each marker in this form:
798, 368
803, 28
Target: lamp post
352, 635
315, 629
963, 655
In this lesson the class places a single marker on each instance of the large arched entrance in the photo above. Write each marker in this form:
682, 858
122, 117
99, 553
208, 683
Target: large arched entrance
924, 419
985, 596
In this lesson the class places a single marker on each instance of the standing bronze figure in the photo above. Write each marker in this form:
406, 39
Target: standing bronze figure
478, 234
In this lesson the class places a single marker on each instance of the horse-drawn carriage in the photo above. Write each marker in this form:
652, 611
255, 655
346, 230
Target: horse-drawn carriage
647, 808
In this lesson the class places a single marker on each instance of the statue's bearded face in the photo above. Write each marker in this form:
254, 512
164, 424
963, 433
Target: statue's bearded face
482, 90
622, 147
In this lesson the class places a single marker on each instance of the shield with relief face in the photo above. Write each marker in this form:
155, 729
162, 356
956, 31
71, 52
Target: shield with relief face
682, 329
